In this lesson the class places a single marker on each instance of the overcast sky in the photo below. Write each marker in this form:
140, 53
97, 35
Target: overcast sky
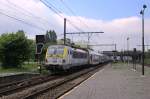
118, 19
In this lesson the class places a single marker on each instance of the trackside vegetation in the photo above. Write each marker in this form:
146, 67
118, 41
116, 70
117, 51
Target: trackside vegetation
15, 49
17, 52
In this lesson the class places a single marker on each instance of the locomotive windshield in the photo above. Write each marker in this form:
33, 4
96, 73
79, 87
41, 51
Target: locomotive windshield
56, 50
51, 50
60, 51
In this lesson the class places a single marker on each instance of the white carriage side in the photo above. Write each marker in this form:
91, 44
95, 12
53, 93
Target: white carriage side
94, 57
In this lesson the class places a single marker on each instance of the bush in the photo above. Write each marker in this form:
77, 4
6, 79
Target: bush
14, 49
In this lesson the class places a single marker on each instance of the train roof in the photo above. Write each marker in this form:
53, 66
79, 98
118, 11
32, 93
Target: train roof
69, 46
94, 52
56, 46
79, 49
73, 48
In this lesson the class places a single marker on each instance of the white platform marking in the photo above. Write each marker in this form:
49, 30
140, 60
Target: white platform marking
79, 85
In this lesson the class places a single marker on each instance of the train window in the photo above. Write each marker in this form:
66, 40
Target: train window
51, 50
71, 52
79, 55
60, 51
55, 50
74, 54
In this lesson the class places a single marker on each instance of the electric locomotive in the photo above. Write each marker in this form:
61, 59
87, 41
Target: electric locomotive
62, 57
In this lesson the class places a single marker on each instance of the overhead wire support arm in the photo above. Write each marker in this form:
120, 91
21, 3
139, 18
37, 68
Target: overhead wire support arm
142, 45
115, 45
84, 32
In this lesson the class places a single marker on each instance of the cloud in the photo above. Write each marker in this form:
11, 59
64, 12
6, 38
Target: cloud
115, 31
36, 13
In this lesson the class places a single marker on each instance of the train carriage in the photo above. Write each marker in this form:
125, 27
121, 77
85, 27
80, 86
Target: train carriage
94, 57
62, 57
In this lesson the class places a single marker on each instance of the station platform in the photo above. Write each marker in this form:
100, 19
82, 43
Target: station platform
115, 81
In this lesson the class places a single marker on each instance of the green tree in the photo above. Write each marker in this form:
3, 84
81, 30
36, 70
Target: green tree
51, 39
14, 49
32, 48
51, 36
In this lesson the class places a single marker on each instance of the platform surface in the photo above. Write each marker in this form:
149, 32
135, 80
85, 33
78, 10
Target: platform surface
115, 81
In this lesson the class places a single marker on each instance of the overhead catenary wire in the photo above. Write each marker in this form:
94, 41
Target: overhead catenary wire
22, 21
68, 20
56, 11
13, 10
26, 13
22, 9
73, 13
10, 12
78, 18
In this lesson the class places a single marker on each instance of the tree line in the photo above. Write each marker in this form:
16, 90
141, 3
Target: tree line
16, 48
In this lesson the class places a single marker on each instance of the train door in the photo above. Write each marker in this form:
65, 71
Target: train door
91, 59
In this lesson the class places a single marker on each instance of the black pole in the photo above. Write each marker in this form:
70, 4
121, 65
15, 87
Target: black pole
64, 31
115, 47
88, 40
128, 50
115, 53
38, 63
143, 48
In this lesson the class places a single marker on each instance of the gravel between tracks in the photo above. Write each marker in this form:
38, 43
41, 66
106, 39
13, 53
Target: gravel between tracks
7, 78
23, 93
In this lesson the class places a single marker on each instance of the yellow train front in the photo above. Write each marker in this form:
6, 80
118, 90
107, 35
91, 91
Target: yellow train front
61, 57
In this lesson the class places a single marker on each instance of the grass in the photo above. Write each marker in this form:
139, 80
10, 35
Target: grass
26, 67
31, 67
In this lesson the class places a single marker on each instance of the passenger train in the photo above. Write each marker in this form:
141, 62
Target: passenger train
62, 57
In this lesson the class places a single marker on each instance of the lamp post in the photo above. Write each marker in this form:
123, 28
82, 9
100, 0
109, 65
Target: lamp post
128, 49
142, 13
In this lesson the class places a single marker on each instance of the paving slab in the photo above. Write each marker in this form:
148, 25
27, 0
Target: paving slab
115, 81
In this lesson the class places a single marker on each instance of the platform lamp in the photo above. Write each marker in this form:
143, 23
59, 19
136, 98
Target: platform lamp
142, 13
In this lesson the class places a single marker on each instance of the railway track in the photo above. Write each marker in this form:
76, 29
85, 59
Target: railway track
66, 80
5, 85
47, 85
9, 88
